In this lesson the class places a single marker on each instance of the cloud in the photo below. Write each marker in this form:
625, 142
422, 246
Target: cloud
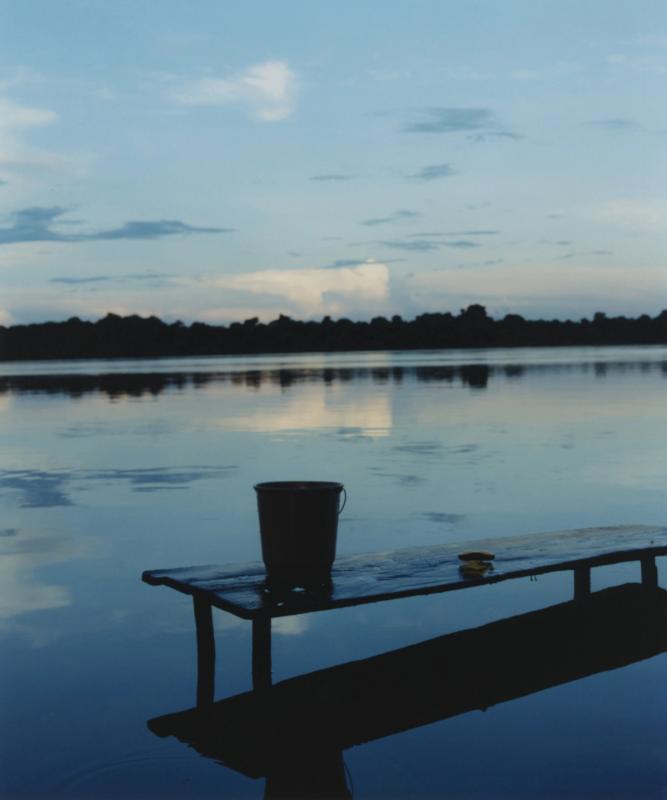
356, 262
76, 281
15, 154
483, 137
397, 216
641, 215
413, 245
439, 234
480, 123
14, 116
344, 262
451, 120
475, 232
151, 229
461, 243
35, 224
267, 90
432, 171
615, 123
136, 276
427, 244
583, 254
332, 176
360, 290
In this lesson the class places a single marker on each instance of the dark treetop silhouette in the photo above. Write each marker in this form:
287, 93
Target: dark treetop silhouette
134, 336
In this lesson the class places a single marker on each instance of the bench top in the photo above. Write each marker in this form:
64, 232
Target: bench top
241, 588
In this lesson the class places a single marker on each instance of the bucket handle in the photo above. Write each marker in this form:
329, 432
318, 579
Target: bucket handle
344, 500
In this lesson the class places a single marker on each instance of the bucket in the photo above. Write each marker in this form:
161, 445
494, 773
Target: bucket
298, 523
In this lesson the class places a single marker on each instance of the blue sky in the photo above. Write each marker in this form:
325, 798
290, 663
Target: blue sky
215, 161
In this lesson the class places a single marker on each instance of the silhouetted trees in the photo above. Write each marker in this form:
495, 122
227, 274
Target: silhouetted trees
139, 337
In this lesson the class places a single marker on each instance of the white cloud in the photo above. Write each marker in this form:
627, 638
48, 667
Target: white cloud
268, 90
358, 292
304, 292
13, 118
639, 215
16, 155
13, 115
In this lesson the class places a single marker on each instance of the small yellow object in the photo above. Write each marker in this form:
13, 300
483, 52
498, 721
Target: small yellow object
475, 569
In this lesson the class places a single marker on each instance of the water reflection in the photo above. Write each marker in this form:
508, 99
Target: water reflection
314, 407
116, 385
295, 732
34, 488
22, 552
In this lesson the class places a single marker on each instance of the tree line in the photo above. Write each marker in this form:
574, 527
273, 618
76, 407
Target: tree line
133, 336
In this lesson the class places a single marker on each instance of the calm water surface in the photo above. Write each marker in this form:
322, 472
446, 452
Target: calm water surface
111, 468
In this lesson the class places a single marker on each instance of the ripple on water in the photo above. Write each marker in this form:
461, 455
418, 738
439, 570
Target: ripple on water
97, 771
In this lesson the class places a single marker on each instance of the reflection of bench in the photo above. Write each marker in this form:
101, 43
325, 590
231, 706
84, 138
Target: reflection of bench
305, 723
241, 589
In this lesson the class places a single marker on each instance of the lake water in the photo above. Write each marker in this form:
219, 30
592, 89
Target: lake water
111, 468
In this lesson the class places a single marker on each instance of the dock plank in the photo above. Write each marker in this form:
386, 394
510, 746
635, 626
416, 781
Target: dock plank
241, 589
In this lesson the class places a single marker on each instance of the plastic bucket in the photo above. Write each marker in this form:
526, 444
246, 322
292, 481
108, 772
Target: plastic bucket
298, 523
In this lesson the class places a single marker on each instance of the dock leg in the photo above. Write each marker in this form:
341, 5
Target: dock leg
205, 651
261, 653
649, 572
582, 582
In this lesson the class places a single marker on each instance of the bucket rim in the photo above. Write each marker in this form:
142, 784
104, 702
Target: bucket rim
298, 486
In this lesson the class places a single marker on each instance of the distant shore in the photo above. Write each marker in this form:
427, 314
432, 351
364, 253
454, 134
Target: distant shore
149, 337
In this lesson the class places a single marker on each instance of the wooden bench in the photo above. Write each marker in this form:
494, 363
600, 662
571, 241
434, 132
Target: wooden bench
241, 589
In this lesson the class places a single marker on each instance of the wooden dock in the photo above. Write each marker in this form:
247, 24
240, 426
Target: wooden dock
242, 589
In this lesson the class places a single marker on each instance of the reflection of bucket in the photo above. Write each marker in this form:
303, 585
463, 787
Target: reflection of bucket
298, 522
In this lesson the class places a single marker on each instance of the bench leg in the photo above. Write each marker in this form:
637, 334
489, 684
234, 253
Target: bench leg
649, 572
582, 583
205, 651
261, 653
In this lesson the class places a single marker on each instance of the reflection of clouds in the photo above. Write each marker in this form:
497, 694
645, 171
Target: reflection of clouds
153, 479
401, 478
443, 517
290, 626
20, 555
316, 407
39, 489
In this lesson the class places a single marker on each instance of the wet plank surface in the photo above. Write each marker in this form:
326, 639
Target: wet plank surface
241, 589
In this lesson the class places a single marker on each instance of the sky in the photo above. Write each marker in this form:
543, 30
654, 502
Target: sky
217, 161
